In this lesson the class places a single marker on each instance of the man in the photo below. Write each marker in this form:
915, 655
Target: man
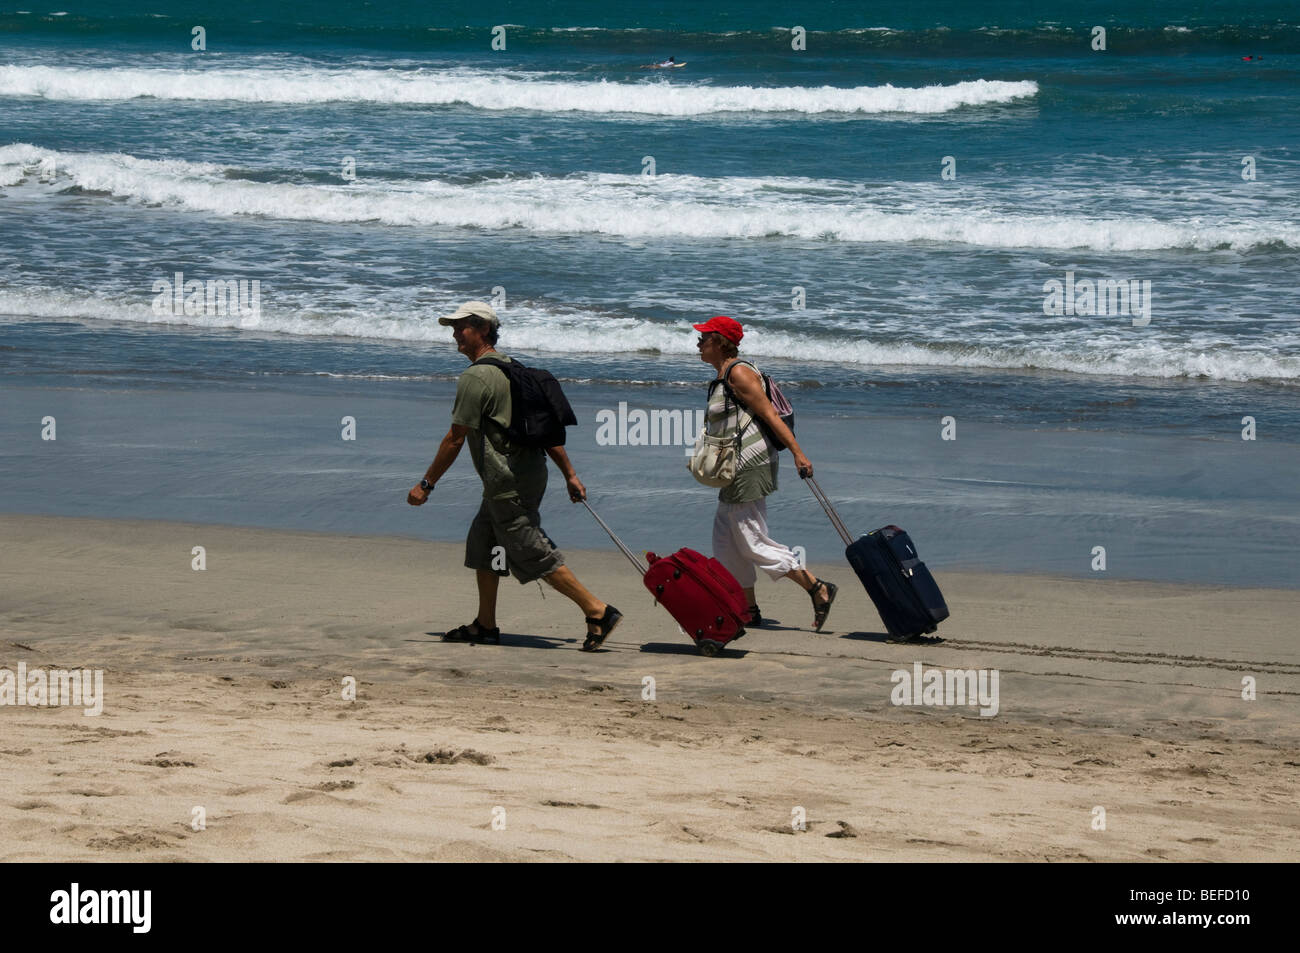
508, 522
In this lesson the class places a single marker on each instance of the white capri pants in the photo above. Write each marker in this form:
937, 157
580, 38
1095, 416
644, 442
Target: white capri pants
741, 543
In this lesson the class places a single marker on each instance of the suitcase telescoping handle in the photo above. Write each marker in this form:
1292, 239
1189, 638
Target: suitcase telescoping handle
830, 510
640, 567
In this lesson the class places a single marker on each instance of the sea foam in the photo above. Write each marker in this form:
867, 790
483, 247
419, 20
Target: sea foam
574, 331
633, 207
494, 90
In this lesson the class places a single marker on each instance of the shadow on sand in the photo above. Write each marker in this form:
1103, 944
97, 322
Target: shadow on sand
509, 641
885, 637
677, 648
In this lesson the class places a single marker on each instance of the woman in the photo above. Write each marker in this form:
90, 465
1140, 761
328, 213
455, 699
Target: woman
738, 400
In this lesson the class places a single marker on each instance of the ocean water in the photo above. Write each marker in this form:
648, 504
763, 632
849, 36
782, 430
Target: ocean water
888, 210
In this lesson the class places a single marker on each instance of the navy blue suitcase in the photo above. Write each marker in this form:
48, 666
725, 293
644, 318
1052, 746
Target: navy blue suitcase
905, 594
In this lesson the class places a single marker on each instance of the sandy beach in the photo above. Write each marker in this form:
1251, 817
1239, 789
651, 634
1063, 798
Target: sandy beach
224, 691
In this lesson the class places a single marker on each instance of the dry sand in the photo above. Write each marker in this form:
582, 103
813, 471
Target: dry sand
224, 692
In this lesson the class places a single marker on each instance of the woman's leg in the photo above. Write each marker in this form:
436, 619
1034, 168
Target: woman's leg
807, 581
781, 562
758, 551
763, 552
729, 549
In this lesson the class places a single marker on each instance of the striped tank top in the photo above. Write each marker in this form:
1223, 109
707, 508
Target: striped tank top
756, 471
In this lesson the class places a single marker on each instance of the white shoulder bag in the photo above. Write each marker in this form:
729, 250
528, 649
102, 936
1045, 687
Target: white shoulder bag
715, 459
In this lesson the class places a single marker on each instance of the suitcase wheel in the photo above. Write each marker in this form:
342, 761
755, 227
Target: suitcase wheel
709, 648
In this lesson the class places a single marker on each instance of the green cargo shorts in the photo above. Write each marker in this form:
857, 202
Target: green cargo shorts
515, 525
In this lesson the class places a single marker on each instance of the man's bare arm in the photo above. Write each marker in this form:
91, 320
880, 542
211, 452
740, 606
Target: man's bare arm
577, 492
448, 450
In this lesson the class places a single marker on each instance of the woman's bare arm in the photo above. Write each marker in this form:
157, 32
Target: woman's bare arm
748, 386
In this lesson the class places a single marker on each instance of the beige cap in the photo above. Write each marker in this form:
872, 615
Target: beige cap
473, 309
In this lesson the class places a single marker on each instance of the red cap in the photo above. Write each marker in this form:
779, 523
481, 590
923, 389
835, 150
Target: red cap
728, 328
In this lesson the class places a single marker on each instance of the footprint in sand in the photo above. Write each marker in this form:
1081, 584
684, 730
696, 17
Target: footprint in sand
141, 840
315, 797
447, 756
845, 830
336, 786
244, 789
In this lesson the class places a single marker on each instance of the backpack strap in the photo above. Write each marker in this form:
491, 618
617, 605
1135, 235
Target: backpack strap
732, 366
727, 392
501, 366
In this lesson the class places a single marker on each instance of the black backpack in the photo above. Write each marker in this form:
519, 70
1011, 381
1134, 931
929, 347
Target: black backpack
539, 411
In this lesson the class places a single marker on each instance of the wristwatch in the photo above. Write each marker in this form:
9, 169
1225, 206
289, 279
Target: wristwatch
425, 485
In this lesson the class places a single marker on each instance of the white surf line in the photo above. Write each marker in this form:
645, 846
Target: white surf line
632, 206
493, 90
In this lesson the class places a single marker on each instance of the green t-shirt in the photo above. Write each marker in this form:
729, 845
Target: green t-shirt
483, 405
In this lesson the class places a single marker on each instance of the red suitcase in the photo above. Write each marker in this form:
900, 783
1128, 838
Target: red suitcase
698, 592
701, 595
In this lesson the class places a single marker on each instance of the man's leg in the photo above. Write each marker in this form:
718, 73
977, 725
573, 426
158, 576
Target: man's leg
563, 581
487, 598
480, 554
533, 555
